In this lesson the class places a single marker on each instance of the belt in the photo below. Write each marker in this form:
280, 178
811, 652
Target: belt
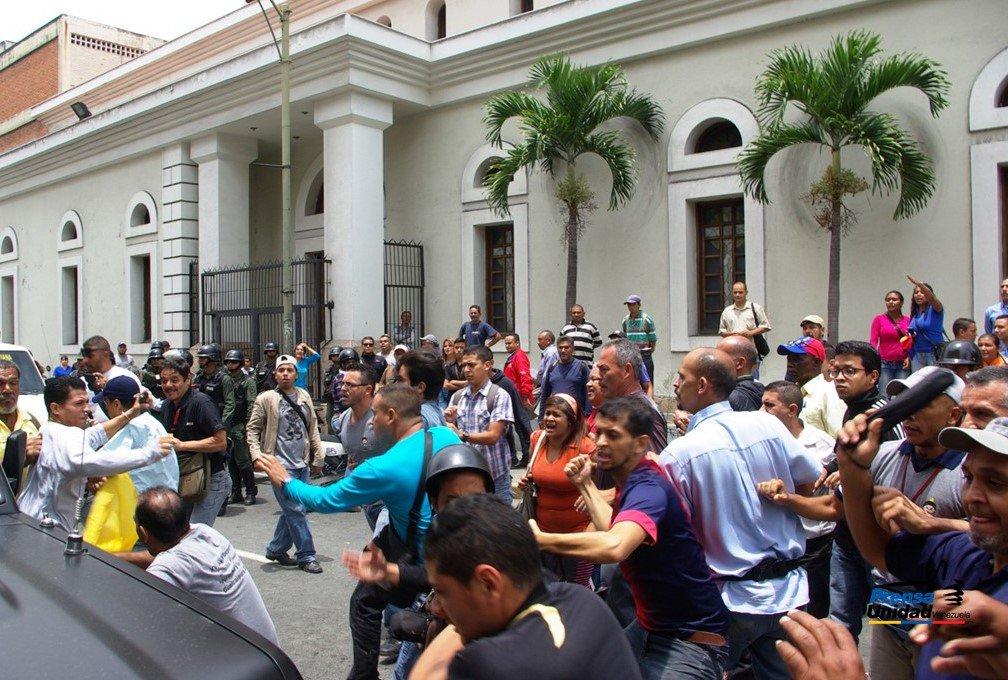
702, 637
769, 569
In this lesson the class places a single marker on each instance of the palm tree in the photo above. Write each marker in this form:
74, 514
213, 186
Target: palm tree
558, 131
833, 92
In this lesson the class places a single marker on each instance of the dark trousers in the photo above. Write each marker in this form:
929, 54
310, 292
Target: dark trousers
819, 549
240, 467
649, 364
366, 606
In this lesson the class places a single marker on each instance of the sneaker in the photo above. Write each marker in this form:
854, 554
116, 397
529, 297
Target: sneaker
249, 500
311, 566
283, 559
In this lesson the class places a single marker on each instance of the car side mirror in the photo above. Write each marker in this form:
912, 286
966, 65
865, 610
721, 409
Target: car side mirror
14, 458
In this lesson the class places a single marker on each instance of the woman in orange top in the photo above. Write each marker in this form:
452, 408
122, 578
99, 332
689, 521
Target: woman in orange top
988, 344
561, 437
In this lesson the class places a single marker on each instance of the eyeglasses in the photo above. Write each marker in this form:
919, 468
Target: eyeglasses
349, 384
368, 344
849, 371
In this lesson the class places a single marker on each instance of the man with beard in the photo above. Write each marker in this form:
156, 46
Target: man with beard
396, 478
13, 418
957, 560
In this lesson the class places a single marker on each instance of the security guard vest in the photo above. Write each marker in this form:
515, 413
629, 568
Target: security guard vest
213, 386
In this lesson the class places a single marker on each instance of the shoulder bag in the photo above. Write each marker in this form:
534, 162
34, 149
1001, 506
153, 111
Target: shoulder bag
527, 504
762, 346
194, 468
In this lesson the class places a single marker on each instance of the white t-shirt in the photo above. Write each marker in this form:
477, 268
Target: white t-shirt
96, 411
820, 445
205, 564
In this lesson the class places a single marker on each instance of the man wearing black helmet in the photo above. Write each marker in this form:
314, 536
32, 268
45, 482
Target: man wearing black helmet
264, 370
346, 358
327, 380
961, 357
150, 375
212, 380
239, 462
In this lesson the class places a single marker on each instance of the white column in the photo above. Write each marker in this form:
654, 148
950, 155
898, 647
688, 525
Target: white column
223, 162
179, 238
352, 138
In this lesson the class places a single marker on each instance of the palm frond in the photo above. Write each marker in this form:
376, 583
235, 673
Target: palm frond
791, 76
881, 138
504, 106
917, 180
501, 173
609, 146
908, 70
752, 160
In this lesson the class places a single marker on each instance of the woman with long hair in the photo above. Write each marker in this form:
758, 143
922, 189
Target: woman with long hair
891, 337
989, 350
927, 324
452, 371
561, 437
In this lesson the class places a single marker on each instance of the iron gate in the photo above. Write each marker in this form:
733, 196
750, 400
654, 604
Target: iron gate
404, 283
242, 307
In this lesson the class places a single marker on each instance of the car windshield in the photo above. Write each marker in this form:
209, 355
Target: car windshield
31, 381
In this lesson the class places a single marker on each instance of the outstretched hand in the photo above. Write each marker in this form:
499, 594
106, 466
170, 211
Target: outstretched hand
818, 648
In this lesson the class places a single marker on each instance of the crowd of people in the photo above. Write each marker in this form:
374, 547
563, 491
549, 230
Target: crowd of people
748, 532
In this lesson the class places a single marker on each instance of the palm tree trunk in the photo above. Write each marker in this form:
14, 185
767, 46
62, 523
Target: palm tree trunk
833, 289
571, 234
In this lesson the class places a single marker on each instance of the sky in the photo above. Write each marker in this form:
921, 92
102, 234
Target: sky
165, 19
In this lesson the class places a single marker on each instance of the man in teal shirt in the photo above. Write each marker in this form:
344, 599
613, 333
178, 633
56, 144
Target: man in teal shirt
640, 330
392, 477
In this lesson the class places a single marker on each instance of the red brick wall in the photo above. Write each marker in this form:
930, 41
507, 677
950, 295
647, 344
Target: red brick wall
22, 135
29, 80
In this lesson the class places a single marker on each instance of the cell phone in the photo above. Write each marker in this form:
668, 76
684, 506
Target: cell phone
908, 402
144, 397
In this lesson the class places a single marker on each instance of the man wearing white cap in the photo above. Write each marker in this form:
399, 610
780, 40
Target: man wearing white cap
640, 330
813, 326
935, 559
918, 488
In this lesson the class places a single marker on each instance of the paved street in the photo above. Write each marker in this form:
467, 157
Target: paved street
310, 612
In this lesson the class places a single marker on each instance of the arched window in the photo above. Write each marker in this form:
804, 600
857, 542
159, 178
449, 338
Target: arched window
437, 20
141, 215
521, 7
1002, 98
720, 134
8, 245
71, 233
319, 205
384, 21
479, 178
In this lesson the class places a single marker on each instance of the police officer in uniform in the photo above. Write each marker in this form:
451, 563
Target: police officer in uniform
345, 357
213, 380
264, 378
327, 380
150, 374
239, 462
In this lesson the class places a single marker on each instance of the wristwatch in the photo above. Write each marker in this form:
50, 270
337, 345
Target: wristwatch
464, 436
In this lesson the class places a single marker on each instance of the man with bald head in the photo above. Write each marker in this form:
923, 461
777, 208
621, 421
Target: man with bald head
753, 547
748, 392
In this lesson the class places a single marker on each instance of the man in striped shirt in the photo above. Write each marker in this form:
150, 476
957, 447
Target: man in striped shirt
640, 330
585, 335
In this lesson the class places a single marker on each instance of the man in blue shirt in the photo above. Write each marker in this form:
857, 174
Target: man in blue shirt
753, 547
394, 478
681, 622
996, 309
957, 560
478, 332
567, 376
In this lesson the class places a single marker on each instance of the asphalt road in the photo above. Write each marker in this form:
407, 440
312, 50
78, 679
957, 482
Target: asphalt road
309, 611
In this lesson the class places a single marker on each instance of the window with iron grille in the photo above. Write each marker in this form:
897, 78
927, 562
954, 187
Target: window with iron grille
500, 293
720, 258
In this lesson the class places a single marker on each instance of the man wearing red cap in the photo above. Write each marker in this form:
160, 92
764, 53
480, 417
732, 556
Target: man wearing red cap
805, 357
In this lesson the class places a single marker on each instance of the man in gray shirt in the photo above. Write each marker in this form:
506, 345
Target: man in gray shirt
197, 559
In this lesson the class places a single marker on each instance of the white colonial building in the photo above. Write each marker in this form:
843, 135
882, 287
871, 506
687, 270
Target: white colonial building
103, 218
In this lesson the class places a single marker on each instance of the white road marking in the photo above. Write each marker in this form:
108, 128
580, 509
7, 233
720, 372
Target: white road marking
252, 556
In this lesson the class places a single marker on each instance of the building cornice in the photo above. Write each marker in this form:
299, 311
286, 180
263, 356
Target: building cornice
347, 51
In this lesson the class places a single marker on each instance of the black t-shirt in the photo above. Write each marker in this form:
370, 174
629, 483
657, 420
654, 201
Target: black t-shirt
593, 644
195, 417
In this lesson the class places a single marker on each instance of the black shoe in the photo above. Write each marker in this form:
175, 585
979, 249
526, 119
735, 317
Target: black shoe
236, 497
249, 499
283, 559
312, 567
388, 653
519, 464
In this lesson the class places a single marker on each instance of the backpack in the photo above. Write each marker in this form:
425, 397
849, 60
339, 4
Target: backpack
491, 398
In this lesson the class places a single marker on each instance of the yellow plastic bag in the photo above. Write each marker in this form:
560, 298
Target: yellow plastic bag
110, 524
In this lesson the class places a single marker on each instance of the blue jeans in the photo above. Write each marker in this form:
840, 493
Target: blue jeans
292, 525
757, 633
922, 359
408, 655
850, 587
891, 370
205, 511
502, 487
663, 657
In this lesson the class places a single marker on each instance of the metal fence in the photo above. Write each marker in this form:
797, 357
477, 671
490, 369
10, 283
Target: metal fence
242, 307
404, 283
